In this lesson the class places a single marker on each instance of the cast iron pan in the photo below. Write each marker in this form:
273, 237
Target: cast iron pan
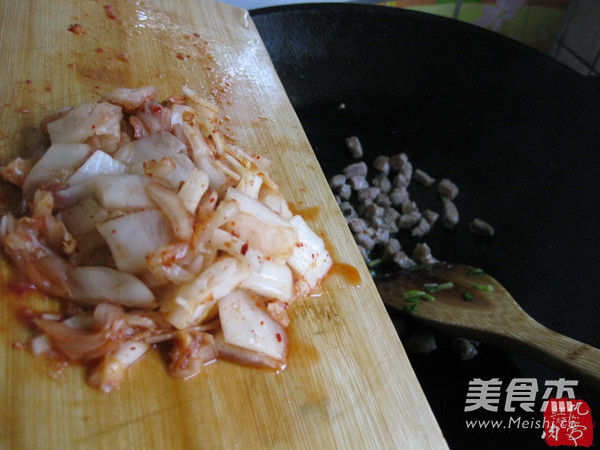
519, 134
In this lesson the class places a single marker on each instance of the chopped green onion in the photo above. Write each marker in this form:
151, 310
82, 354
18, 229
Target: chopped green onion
416, 267
373, 263
468, 297
410, 308
428, 297
475, 272
434, 287
413, 293
412, 299
484, 287
430, 287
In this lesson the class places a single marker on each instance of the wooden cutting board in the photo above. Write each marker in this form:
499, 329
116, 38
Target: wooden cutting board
348, 383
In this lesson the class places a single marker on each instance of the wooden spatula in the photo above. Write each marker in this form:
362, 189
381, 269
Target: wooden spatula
461, 300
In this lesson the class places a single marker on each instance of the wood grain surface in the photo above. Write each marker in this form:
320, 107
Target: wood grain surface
348, 383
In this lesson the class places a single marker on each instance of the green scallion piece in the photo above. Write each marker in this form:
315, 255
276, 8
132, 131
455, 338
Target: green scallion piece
484, 287
447, 285
410, 308
430, 287
427, 297
413, 299
467, 297
413, 293
373, 263
475, 272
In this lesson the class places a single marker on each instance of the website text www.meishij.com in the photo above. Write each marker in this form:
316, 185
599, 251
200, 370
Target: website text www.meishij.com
517, 423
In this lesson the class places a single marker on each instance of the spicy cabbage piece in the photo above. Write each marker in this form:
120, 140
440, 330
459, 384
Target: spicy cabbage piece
161, 230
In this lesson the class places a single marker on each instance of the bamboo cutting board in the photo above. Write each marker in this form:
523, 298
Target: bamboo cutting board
348, 383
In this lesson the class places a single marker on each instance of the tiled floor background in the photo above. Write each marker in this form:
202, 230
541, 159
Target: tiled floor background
578, 42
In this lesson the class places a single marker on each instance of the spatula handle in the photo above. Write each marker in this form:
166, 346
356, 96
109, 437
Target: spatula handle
557, 351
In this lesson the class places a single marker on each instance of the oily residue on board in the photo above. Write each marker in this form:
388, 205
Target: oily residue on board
102, 54
349, 273
307, 212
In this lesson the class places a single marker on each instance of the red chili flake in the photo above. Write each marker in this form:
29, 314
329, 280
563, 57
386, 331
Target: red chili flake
99, 50
18, 345
197, 35
48, 88
113, 231
29, 82
180, 56
109, 12
262, 322
19, 288
212, 199
244, 248
299, 244
278, 337
25, 316
122, 56
77, 29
